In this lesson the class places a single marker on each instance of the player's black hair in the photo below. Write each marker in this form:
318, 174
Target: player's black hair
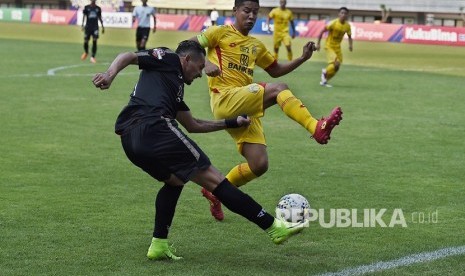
237, 3
191, 47
344, 8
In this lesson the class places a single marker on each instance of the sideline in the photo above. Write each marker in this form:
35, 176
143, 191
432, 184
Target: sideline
404, 261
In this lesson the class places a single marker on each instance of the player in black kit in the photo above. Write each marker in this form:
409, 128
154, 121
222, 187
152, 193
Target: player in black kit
93, 14
152, 140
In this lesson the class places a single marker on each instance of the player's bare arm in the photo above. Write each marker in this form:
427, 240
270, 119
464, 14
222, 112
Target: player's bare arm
83, 22
267, 24
101, 22
350, 43
281, 69
194, 125
104, 80
211, 70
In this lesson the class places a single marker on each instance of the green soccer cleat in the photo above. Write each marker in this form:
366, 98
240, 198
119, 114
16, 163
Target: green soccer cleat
160, 250
281, 231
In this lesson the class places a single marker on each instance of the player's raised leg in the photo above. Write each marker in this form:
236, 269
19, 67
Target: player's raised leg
297, 111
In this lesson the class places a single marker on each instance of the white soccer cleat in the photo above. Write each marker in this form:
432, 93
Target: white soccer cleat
323, 76
325, 84
324, 81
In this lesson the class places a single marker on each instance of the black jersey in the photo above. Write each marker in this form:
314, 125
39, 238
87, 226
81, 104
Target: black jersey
92, 13
159, 91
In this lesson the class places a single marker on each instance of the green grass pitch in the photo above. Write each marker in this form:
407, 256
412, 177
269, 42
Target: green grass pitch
72, 204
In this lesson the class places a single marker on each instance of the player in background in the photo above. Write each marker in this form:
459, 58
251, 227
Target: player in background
92, 14
214, 16
336, 29
281, 17
232, 57
143, 14
152, 140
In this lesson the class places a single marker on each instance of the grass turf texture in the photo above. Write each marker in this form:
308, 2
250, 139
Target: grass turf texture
72, 204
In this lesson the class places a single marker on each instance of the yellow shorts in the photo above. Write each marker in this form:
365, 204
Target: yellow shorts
233, 102
281, 38
333, 54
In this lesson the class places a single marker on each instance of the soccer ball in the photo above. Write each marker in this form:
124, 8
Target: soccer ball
293, 208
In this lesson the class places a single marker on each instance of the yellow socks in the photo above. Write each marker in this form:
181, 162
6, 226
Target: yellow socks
240, 175
295, 110
330, 71
289, 55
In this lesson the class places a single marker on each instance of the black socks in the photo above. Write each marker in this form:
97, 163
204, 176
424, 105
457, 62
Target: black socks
165, 205
242, 204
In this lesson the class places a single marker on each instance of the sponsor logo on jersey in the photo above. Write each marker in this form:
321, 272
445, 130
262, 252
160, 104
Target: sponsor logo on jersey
240, 68
244, 60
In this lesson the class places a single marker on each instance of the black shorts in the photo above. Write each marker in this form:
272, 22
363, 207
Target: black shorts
91, 32
142, 33
160, 148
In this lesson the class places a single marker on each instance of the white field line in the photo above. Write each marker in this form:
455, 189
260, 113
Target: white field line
46, 75
393, 67
404, 261
53, 72
60, 75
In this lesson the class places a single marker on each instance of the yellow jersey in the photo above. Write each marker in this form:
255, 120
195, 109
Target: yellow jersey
235, 54
336, 32
281, 19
